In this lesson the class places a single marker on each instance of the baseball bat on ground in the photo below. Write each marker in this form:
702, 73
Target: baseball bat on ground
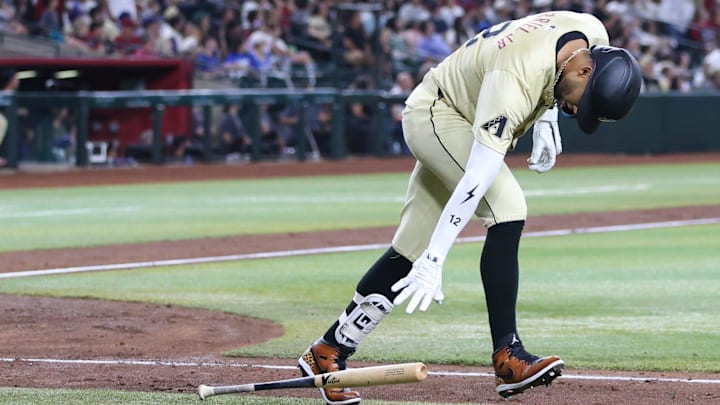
356, 377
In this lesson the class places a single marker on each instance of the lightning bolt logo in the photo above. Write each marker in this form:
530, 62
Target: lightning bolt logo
470, 194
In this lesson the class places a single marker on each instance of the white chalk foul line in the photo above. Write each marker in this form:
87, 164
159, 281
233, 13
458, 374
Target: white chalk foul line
131, 362
587, 190
342, 249
70, 211
589, 377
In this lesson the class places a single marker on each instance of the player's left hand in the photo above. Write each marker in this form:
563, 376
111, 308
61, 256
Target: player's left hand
424, 283
547, 143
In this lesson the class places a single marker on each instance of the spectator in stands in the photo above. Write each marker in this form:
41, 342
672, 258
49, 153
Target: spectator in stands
412, 35
282, 57
205, 26
677, 15
170, 32
683, 72
703, 26
190, 44
234, 142
397, 54
670, 25
615, 27
356, 44
9, 81
248, 6
259, 56
319, 31
50, 21
191, 147
644, 9
320, 123
412, 11
272, 142
459, 33
432, 48
99, 16
404, 84
28, 12
283, 10
502, 11
299, 19
367, 19
648, 33
482, 17
93, 38
286, 124
254, 22
714, 80
665, 78
391, 8
234, 58
710, 65
152, 42
127, 42
650, 81
79, 36
74, 9
449, 11
208, 59
9, 21
358, 120
230, 32
63, 132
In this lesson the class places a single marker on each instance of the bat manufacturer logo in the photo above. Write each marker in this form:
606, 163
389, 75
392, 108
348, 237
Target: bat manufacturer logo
495, 126
329, 379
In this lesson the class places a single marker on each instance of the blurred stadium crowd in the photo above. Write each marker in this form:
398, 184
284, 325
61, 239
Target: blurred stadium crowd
675, 41
385, 45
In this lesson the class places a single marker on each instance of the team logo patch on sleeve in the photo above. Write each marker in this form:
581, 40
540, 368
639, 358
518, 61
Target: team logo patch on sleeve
495, 126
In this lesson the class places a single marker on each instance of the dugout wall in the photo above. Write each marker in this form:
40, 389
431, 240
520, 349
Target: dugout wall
122, 126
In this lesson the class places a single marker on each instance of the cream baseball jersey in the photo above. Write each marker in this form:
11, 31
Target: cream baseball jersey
501, 79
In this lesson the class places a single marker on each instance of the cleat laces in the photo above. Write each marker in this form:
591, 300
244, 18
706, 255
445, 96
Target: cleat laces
518, 351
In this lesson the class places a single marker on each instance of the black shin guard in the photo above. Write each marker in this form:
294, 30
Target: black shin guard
499, 269
372, 301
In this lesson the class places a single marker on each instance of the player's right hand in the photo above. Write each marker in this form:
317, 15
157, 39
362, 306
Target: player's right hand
547, 143
424, 283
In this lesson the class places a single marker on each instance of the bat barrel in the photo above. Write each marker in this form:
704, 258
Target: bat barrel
378, 375
358, 377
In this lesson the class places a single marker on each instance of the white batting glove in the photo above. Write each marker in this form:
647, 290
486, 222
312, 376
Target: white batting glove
547, 143
424, 283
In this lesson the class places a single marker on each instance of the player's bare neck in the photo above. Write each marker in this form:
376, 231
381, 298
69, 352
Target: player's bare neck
568, 49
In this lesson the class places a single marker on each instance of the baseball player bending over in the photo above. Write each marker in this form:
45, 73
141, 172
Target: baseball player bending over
459, 123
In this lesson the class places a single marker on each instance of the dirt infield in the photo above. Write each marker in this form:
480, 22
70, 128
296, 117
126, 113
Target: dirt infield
193, 340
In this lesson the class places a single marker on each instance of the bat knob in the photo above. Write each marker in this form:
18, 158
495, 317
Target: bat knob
203, 391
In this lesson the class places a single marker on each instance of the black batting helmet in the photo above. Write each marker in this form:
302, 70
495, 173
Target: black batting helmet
612, 89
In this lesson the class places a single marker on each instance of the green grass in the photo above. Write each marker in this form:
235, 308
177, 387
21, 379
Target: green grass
28, 396
639, 300
88, 216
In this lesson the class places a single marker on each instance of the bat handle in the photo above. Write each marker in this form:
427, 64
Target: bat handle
204, 391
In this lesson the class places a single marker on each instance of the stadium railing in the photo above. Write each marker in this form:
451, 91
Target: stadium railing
659, 123
83, 102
